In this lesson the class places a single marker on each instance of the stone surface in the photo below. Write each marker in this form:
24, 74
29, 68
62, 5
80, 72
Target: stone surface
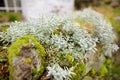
87, 78
117, 18
114, 3
24, 63
26, 59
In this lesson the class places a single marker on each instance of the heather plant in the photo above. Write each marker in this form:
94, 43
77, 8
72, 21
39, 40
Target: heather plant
72, 42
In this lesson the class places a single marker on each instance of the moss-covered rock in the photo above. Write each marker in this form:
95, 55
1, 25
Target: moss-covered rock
27, 52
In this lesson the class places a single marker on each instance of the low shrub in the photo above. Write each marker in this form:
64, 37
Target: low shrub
75, 44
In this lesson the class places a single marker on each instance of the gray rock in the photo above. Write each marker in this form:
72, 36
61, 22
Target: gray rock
117, 18
24, 63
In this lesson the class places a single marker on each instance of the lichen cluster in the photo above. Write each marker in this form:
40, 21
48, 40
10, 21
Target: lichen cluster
70, 41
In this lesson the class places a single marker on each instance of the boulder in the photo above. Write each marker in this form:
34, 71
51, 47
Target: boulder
26, 59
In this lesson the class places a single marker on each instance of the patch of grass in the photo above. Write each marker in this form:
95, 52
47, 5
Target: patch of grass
10, 17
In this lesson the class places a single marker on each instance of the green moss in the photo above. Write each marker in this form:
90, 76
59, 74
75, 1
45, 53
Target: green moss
79, 67
79, 71
28, 60
103, 70
116, 70
38, 73
113, 69
14, 49
70, 60
42, 68
93, 72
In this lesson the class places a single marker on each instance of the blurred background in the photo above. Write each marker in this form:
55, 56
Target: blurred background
11, 10
20, 10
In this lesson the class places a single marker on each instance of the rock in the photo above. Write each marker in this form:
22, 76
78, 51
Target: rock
87, 78
114, 3
117, 18
26, 59
99, 62
24, 63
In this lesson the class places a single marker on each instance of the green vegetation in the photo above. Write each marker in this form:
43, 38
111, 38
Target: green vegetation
4, 73
116, 24
109, 70
79, 71
116, 11
10, 16
111, 14
4, 28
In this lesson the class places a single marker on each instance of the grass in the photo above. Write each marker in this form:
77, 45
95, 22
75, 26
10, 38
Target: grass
10, 17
